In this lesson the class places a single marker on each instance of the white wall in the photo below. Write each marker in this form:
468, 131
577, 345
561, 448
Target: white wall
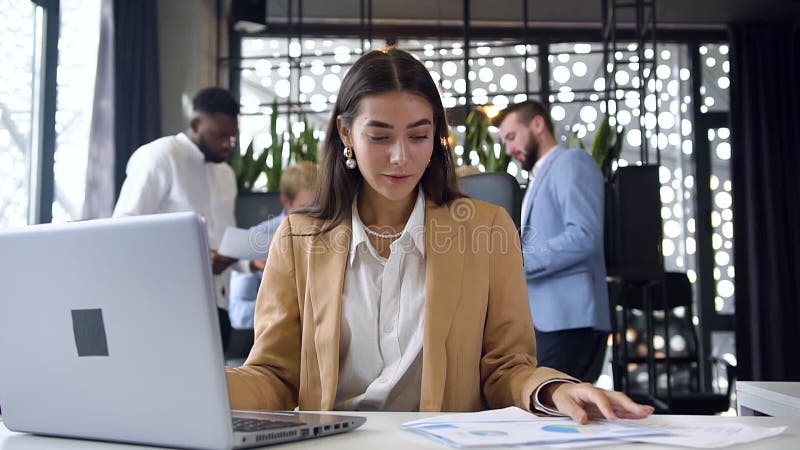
187, 35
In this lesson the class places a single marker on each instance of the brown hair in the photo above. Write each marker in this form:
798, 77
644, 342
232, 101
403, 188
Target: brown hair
378, 72
526, 111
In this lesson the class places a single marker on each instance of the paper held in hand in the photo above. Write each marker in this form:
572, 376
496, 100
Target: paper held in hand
241, 244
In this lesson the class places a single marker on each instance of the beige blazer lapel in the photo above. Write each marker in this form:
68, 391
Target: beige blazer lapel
327, 264
444, 236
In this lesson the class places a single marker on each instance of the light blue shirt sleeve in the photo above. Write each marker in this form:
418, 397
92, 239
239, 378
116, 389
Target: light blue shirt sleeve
244, 286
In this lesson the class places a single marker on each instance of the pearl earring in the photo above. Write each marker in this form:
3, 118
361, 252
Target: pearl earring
350, 162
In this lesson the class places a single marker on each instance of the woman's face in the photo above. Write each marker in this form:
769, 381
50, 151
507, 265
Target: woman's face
392, 139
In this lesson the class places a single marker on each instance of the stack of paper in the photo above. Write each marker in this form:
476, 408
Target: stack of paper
514, 426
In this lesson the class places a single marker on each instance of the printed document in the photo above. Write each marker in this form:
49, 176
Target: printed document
514, 426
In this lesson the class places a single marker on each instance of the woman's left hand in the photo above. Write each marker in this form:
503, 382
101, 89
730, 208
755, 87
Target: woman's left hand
583, 401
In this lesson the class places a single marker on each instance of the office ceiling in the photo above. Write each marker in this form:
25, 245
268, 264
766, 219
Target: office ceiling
679, 12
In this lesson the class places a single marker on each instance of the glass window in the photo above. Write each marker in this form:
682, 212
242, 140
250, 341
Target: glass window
303, 78
77, 63
497, 77
715, 91
715, 77
722, 220
21, 33
577, 107
723, 350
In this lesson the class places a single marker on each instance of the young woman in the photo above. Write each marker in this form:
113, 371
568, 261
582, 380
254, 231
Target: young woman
393, 291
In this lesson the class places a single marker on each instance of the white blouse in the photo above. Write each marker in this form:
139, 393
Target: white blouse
382, 327
380, 346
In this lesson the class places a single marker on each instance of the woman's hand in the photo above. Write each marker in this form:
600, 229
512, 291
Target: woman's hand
583, 402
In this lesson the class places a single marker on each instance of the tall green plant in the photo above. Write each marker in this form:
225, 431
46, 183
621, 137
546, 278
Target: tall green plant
478, 138
305, 146
248, 167
275, 149
606, 146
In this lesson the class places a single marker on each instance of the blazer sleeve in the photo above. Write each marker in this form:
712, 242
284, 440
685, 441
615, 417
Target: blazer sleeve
578, 188
270, 377
509, 373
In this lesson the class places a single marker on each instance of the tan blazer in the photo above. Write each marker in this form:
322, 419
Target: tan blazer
478, 348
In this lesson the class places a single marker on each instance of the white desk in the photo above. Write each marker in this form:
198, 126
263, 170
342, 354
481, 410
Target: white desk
773, 398
382, 431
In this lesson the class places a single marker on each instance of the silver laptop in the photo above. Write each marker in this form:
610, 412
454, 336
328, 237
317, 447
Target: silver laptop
109, 331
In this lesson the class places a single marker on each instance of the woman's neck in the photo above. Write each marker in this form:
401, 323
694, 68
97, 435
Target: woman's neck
377, 211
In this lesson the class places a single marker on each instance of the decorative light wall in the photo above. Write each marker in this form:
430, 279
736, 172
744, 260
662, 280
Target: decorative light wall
306, 80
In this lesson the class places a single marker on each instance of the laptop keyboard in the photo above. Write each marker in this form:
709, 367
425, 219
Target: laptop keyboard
243, 424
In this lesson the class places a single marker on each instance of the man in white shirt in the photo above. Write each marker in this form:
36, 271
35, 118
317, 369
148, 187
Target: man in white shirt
187, 172
562, 242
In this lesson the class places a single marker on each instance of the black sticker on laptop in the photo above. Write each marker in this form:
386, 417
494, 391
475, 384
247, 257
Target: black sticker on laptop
90, 333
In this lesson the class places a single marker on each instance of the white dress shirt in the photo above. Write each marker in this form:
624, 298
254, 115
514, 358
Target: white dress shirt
171, 175
537, 167
380, 346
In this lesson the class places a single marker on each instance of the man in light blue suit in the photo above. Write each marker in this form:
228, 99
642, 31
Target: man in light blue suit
562, 241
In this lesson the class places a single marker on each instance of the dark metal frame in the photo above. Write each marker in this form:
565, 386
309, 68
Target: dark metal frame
644, 36
536, 35
644, 33
541, 37
45, 178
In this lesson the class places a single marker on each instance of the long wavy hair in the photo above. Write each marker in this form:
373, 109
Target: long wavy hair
378, 72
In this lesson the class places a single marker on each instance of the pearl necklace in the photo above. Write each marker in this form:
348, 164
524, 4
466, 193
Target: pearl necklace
382, 236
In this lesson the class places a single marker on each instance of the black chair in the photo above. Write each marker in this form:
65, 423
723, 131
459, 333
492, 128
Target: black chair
498, 188
642, 313
253, 208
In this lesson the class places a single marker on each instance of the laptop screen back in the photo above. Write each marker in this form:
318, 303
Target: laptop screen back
108, 330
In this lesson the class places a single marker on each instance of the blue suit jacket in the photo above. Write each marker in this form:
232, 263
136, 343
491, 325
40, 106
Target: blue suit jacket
562, 244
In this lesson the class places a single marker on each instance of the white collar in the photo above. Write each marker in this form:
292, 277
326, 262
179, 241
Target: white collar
540, 162
413, 232
185, 139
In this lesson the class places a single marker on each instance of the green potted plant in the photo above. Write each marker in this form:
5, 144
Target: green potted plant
275, 149
248, 167
305, 146
606, 146
478, 138
253, 207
